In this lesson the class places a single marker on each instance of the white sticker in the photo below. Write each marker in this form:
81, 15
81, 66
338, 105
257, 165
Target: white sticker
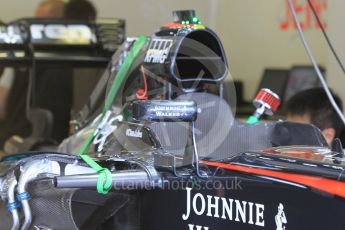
104, 129
280, 218
158, 51
134, 133
72, 33
225, 208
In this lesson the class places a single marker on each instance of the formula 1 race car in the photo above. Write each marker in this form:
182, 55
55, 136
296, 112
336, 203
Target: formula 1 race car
163, 150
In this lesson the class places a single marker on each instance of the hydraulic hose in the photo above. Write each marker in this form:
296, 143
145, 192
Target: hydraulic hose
30, 171
13, 205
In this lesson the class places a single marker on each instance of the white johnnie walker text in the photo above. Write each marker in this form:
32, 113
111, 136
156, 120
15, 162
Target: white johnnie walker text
225, 208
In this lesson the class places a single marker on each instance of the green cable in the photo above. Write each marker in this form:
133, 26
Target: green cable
104, 182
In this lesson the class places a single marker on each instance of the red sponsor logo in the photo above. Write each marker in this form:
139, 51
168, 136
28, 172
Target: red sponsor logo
305, 14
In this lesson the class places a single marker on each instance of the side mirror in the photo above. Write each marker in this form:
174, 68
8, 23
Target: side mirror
165, 111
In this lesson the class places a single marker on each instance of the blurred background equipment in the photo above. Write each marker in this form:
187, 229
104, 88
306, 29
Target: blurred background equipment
302, 78
44, 52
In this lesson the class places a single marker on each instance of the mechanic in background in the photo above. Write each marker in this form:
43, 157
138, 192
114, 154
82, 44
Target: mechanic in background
80, 10
50, 9
312, 106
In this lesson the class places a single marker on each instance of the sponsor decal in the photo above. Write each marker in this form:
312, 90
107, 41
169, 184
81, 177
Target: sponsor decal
245, 212
104, 129
132, 133
170, 111
9, 35
280, 218
158, 51
196, 227
170, 108
304, 12
72, 33
167, 114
